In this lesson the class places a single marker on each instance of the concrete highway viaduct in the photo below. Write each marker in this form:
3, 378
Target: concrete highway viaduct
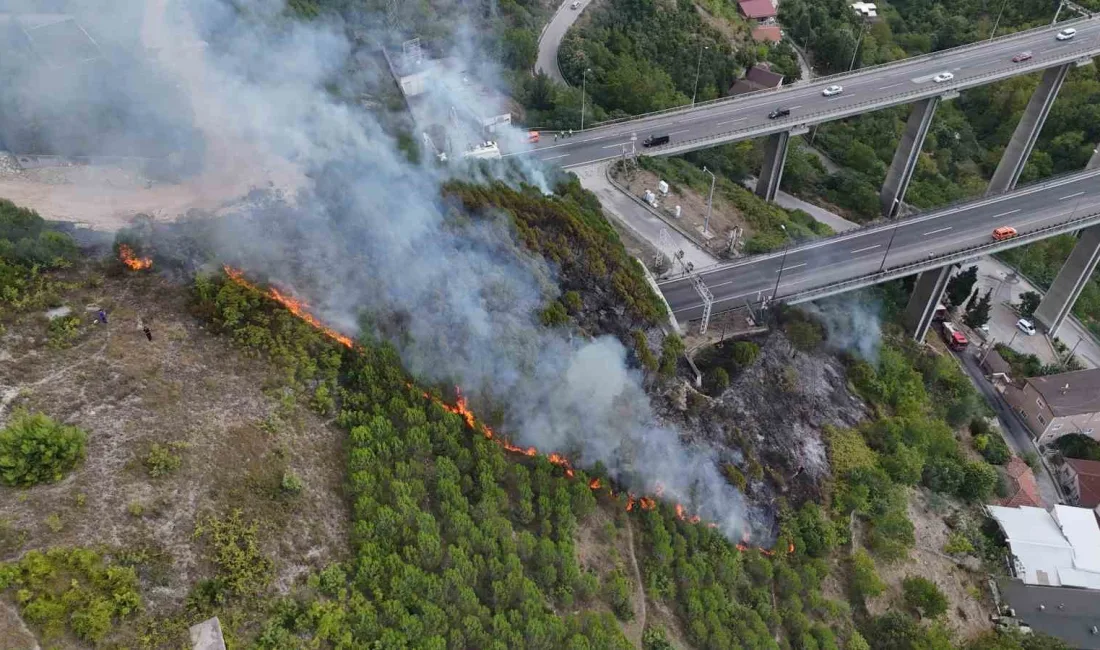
963, 231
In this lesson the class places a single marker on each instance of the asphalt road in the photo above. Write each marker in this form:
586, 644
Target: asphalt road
550, 40
850, 255
746, 117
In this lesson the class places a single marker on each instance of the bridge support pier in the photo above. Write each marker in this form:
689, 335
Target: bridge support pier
906, 155
771, 172
1015, 156
1071, 279
1094, 162
922, 302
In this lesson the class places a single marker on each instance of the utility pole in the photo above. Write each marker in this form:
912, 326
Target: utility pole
584, 80
988, 348
698, 65
710, 202
891, 243
862, 25
998, 21
782, 261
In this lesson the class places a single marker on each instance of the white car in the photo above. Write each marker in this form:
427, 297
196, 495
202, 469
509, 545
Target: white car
1066, 34
576, 3
1025, 326
942, 77
832, 90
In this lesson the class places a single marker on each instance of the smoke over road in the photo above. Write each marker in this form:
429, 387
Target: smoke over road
367, 231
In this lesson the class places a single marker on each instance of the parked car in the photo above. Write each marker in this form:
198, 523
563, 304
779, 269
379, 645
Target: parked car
1025, 326
832, 90
575, 4
655, 141
1022, 56
1066, 34
779, 112
942, 77
1004, 232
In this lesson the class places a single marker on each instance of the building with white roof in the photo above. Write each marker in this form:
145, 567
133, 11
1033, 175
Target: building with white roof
1059, 548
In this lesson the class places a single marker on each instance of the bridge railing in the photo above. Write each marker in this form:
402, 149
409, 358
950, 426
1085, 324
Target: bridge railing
912, 268
828, 80
1038, 63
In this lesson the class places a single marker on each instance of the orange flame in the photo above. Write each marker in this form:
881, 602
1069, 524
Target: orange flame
460, 407
294, 306
126, 254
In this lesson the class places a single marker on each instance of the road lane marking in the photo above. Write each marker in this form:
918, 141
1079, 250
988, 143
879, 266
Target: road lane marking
1005, 214
861, 250
794, 107
792, 266
740, 119
616, 146
678, 132
834, 99
554, 157
890, 86
1070, 196
936, 231
791, 284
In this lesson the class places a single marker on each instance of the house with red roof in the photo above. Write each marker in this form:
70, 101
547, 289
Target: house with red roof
1081, 479
758, 9
1023, 489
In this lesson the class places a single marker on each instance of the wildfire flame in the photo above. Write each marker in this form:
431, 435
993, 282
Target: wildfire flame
460, 407
126, 254
293, 305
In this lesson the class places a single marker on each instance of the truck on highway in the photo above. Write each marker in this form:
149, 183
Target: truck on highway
655, 141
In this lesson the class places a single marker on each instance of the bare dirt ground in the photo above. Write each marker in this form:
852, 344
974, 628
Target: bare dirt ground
235, 430
605, 543
693, 207
961, 580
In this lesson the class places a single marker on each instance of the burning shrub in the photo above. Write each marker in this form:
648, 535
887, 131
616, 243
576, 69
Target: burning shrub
34, 449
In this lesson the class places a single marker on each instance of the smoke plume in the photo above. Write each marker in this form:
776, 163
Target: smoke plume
363, 230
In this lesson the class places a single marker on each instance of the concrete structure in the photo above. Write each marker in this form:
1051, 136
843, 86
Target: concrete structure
1067, 613
1023, 489
922, 302
996, 369
1056, 548
757, 9
1027, 130
771, 172
207, 635
865, 9
906, 155
758, 77
1055, 405
887, 251
1081, 480
1071, 279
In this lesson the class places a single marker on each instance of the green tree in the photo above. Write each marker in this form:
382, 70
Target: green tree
978, 315
521, 48
745, 352
922, 596
864, 579
804, 335
978, 481
718, 380
1029, 302
35, 449
960, 286
671, 349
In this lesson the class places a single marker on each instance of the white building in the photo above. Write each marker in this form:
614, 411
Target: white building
866, 9
1059, 548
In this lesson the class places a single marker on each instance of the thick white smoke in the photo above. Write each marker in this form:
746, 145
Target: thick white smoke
367, 231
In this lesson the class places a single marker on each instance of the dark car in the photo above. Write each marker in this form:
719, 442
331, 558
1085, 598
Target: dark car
1022, 56
655, 141
779, 112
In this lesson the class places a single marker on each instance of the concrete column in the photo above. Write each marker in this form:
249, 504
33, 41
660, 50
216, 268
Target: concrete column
771, 172
1014, 158
927, 293
906, 155
1059, 299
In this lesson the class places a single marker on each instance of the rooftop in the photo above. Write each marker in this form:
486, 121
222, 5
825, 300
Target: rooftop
1088, 478
1066, 613
1070, 393
1023, 488
996, 364
1056, 548
758, 77
757, 8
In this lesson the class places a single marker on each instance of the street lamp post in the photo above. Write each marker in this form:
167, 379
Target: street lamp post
710, 202
698, 65
998, 21
782, 261
862, 25
584, 80
888, 245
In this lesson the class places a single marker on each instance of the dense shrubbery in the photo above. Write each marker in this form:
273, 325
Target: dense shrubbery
34, 449
71, 590
28, 251
1078, 445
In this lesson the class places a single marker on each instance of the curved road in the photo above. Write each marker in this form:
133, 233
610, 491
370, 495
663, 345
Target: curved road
861, 253
551, 37
745, 117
